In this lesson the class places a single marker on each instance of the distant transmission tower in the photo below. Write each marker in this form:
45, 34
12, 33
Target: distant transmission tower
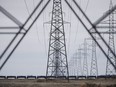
71, 66
57, 64
85, 64
79, 57
94, 67
75, 62
109, 68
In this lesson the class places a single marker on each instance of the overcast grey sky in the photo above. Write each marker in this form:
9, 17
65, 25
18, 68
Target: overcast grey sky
30, 58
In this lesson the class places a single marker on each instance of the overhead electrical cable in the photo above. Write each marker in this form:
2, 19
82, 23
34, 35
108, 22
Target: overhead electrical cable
44, 14
36, 24
81, 17
69, 16
77, 26
27, 7
31, 18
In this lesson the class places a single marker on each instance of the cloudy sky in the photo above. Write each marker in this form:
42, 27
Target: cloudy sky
30, 58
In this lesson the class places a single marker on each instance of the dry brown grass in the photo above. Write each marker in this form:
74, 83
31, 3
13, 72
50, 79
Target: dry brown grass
58, 83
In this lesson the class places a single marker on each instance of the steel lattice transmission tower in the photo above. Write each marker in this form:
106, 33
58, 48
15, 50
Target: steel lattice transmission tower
94, 68
75, 62
57, 64
109, 68
79, 68
85, 64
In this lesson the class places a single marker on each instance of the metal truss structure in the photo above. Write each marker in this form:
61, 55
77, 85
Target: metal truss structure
72, 64
107, 27
85, 64
58, 34
79, 58
94, 29
76, 64
94, 65
109, 68
57, 64
94, 68
21, 30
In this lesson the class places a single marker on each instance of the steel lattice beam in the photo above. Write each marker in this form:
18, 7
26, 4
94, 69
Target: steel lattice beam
109, 68
16, 21
95, 24
20, 30
25, 31
107, 13
94, 67
94, 27
57, 64
85, 64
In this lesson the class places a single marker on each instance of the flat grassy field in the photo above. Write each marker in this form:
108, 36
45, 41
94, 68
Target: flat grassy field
59, 83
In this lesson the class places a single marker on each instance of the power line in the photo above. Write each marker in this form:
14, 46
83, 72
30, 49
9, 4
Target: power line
77, 26
81, 17
44, 34
27, 7
68, 47
45, 41
31, 18
69, 39
36, 24
87, 5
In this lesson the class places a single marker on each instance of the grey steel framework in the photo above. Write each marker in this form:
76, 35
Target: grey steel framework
94, 68
75, 64
70, 66
94, 27
21, 30
79, 58
109, 68
57, 64
21, 27
85, 64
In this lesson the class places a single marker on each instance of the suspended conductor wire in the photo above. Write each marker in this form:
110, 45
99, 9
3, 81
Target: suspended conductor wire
44, 33
36, 24
87, 6
69, 40
81, 17
71, 67
31, 18
44, 40
77, 25
27, 7
69, 16
69, 33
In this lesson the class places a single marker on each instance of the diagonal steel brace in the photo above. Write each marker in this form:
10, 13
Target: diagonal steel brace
90, 32
27, 29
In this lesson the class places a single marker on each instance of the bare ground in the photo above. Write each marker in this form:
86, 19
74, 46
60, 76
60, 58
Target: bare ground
59, 83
